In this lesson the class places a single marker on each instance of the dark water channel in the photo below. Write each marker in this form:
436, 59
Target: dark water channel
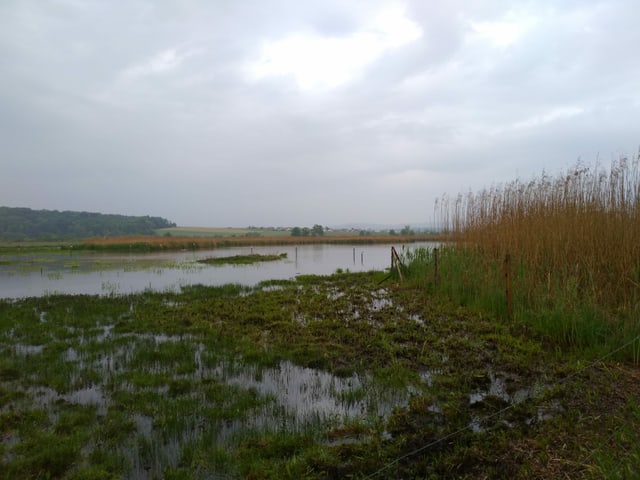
108, 274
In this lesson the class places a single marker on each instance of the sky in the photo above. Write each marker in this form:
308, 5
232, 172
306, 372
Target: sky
288, 112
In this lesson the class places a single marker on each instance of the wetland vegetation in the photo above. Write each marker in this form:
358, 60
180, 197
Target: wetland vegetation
356, 375
574, 247
321, 377
243, 259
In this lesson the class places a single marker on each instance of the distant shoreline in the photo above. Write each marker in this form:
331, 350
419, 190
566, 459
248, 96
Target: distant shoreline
160, 243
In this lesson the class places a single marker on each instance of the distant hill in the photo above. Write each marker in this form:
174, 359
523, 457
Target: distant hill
19, 224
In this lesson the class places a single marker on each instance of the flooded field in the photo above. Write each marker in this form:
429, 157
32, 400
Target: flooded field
136, 385
107, 274
349, 375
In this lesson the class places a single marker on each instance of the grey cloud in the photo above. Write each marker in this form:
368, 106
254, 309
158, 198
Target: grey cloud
146, 108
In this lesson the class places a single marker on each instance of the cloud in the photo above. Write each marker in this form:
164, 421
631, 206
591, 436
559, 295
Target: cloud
319, 62
288, 112
550, 116
503, 33
162, 62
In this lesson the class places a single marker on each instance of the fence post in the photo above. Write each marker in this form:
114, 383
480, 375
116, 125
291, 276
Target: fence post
436, 273
507, 276
395, 261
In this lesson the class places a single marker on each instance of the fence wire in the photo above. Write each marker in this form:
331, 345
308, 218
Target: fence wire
558, 383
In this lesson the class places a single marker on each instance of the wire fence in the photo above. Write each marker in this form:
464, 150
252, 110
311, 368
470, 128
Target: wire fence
500, 412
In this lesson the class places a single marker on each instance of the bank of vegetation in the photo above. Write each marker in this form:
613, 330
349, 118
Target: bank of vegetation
569, 244
143, 243
25, 224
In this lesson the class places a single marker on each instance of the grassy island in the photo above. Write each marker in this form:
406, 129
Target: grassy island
242, 259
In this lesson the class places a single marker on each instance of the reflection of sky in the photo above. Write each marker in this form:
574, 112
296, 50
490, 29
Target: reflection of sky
303, 390
81, 273
307, 392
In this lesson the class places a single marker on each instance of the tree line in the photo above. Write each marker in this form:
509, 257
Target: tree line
315, 231
24, 224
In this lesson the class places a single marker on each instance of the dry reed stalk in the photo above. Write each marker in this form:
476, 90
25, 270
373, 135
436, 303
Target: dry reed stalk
579, 230
172, 243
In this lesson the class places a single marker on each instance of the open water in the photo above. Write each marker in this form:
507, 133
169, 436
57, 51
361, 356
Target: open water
114, 274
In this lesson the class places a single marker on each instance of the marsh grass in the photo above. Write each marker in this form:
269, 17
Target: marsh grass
574, 241
242, 259
619, 456
208, 379
317, 377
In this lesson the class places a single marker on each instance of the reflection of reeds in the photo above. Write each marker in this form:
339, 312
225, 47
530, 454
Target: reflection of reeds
574, 239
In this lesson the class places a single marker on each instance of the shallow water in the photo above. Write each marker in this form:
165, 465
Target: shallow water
302, 397
112, 274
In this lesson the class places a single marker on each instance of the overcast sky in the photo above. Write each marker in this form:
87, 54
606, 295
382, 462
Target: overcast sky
289, 112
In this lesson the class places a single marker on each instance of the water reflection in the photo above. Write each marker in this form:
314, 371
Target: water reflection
111, 274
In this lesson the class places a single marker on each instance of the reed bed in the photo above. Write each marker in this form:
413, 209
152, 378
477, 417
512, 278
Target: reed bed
574, 241
150, 243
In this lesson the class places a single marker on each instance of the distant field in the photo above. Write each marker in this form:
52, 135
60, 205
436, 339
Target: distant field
244, 232
179, 240
222, 232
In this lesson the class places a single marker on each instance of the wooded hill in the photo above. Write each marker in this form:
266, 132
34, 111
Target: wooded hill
22, 224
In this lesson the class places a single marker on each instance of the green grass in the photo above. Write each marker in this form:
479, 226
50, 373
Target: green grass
242, 259
564, 315
178, 383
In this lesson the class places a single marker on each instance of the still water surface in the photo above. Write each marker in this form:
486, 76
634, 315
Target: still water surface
109, 274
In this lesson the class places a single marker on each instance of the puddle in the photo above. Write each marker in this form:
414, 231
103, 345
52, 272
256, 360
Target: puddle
287, 396
303, 391
335, 294
547, 412
89, 396
106, 333
381, 300
426, 376
381, 303
46, 397
26, 350
498, 389
70, 355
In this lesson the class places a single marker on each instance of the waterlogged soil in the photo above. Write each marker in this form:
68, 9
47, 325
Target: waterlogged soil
323, 377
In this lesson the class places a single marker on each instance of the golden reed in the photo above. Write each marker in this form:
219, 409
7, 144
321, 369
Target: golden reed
576, 231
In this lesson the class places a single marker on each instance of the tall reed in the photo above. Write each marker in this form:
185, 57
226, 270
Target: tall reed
575, 243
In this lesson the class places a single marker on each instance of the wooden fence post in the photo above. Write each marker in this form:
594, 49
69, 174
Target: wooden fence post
395, 261
507, 276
